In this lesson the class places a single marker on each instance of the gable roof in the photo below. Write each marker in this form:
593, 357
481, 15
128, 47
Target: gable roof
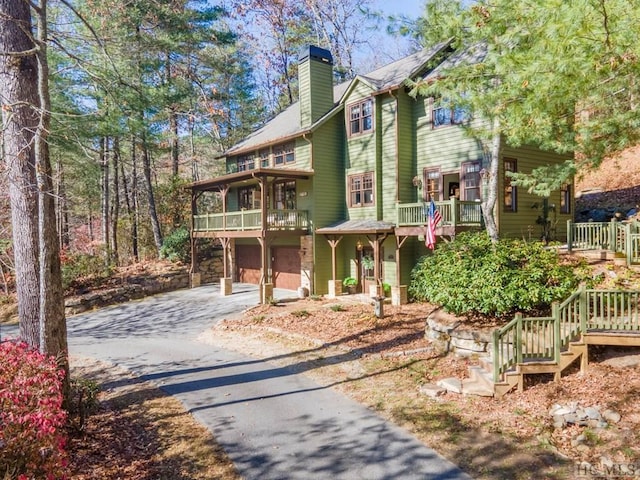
394, 74
282, 127
286, 125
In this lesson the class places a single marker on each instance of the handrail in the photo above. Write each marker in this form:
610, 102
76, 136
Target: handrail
251, 220
544, 338
618, 237
453, 211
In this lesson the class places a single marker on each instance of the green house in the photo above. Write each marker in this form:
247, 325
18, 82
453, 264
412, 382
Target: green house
336, 185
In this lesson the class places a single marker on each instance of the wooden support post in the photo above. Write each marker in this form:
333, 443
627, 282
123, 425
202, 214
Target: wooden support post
224, 190
569, 236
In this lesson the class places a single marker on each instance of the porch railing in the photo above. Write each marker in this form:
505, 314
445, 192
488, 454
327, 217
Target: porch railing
544, 338
251, 220
454, 212
618, 237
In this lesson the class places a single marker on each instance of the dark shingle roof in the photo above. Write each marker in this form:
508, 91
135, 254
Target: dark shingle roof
286, 124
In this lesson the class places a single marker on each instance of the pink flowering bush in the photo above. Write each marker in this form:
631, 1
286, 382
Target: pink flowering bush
32, 421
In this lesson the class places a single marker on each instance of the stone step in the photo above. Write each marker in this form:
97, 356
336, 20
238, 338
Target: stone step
451, 384
481, 376
474, 387
486, 363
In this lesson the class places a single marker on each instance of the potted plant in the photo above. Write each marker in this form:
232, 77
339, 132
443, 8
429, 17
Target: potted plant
349, 283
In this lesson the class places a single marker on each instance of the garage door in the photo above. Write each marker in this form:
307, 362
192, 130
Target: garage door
248, 263
285, 267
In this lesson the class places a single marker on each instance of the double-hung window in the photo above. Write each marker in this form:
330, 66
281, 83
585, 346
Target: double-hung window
246, 162
284, 154
361, 190
510, 191
360, 117
565, 198
471, 181
432, 184
444, 113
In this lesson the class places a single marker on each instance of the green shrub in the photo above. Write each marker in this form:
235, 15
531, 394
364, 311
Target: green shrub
470, 275
337, 307
349, 282
177, 246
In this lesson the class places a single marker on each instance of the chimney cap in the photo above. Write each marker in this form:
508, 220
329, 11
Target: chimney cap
315, 53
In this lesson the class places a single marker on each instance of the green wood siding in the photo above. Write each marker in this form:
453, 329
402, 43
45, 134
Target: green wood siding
407, 193
446, 147
522, 224
326, 198
387, 172
316, 90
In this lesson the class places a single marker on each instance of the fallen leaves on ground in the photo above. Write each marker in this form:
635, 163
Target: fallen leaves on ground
512, 437
138, 433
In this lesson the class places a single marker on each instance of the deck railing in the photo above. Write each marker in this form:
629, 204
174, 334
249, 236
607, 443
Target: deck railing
251, 220
454, 212
619, 237
544, 338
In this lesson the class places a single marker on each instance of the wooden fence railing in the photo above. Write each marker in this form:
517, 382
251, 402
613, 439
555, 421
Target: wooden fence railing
544, 338
251, 220
618, 237
454, 212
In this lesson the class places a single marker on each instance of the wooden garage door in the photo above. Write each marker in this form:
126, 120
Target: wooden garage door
248, 263
285, 267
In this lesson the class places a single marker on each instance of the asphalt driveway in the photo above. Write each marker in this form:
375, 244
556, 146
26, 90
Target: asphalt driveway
273, 422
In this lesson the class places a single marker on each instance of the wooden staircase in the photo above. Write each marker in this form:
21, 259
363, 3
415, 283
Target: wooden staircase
545, 345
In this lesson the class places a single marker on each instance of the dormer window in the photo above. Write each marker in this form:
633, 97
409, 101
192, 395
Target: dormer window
446, 114
360, 117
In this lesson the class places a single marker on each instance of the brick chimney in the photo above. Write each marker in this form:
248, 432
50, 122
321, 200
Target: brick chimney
315, 83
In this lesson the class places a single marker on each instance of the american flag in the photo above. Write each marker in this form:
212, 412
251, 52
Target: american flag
433, 219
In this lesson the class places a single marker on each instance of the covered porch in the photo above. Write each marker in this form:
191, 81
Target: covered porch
271, 219
368, 237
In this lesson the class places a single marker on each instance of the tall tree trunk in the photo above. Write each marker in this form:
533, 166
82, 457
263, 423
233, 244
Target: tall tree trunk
19, 97
127, 202
175, 144
24, 93
153, 215
115, 206
134, 199
53, 325
104, 163
62, 210
490, 184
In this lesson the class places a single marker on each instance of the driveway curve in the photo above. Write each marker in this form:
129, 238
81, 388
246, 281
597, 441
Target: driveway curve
273, 423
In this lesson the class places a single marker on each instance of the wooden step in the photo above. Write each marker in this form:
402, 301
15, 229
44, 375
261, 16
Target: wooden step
511, 380
623, 339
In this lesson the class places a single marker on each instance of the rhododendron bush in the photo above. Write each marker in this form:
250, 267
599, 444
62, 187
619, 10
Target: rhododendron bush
32, 437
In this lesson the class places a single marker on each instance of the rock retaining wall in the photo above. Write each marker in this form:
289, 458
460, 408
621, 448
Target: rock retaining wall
134, 288
453, 337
